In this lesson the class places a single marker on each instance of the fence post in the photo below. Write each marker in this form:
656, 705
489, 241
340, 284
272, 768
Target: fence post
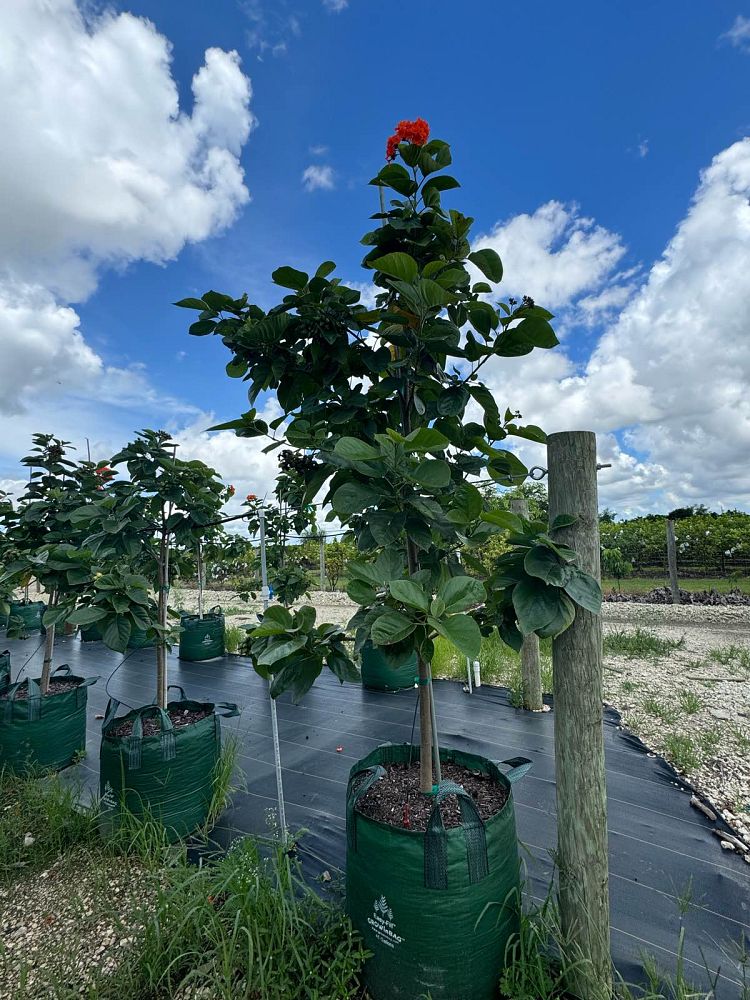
322, 562
582, 858
531, 671
672, 561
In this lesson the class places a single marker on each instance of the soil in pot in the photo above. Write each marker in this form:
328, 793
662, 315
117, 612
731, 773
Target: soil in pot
397, 801
55, 687
180, 717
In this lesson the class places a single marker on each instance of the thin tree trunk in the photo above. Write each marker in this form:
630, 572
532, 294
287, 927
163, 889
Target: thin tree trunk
579, 738
201, 581
425, 728
49, 648
531, 669
161, 649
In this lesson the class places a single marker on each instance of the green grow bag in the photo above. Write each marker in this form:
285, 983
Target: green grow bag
91, 633
379, 675
43, 734
202, 638
436, 909
138, 639
168, 776
29, 613
4, 669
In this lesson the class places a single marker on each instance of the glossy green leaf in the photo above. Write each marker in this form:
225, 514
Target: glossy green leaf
432, 473
409, 593
535, 604
391, 626
462, 631
584, 590
542, 562
355, 450
460, 593
397, 265
290, 277
489, 263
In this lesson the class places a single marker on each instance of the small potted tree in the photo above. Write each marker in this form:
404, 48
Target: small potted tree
388, 409
159, 759
45, 717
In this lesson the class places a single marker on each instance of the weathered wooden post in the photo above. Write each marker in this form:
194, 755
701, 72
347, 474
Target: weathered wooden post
531, 671
579, 739
322, 562
674, 585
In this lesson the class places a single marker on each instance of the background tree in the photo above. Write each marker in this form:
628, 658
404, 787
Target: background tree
375, 402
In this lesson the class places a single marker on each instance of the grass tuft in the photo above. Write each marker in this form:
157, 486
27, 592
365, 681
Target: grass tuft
640, 644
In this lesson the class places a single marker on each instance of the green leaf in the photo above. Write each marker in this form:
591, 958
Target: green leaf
462, 631
483, 317
191, 304
452, 400
277, 613
542, 562
504, 519
563, 521
117, 634
360, 592
397, 177
409, 593
489, 263
236, 368
325, 269
290, 277
535, 604
297, 677
426, 439
442, 183
566, 612
276, 651
201, 328
397, 265
86, 616
461, 593
584, 590
391, 626
432, 473
353, 498
355, 450
536, 331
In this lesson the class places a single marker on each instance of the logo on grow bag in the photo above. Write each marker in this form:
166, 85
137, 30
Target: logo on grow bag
108, 799
382, 923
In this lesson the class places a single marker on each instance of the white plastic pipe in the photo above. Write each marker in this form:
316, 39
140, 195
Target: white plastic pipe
477, 675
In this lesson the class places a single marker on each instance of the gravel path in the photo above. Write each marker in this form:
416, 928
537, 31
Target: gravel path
688, 706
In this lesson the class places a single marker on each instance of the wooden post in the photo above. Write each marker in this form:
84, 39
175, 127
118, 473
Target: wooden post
322, 562
672, 561
531, 671
579, 739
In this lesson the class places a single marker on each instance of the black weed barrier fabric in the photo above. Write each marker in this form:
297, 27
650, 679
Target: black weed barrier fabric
658, 844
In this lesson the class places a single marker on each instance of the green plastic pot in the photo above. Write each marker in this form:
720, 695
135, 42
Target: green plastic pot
202, 638
436, 909
30, 613
379, 675
43, 734
168, 776
4, 669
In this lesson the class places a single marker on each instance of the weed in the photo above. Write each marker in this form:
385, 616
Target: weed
640, 644
737, 658
652, 706
499, 664
681, 751
233, 637
742, 740
709, 741
629, 686
690, 703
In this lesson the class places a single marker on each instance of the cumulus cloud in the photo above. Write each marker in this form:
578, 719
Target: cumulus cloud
101, 167
668, 383
739, 34
318, 178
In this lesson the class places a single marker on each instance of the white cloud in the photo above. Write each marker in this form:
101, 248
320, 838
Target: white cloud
318, 178
319, 150
643, 148
554, 255
102, 167
739, 34
336, 6
672, 374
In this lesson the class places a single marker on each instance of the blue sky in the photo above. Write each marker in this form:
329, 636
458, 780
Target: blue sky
607, 112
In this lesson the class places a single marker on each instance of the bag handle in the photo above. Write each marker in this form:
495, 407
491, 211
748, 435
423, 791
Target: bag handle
231, 709
179, 688
436, 840
63, 669
519, 766
110, 712
356, 791
33, 699
215, 610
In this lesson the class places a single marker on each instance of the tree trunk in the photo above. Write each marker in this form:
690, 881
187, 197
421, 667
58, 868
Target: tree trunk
531, 670
579, 739
161, 649
425, 728
672, 561
49, 648
201, 579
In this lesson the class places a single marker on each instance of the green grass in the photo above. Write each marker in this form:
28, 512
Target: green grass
689, 701
500, 665
642, 584
640, 644
667, 713
736, 658
233, 636
681, 751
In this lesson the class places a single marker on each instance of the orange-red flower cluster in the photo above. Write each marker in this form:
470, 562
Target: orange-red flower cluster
231, 490
251, 496
416, 132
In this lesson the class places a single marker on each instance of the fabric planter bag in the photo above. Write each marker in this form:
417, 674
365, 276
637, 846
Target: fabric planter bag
30, 615
379, 675
91, 633
437, 908
138, 639
4, 669
202, 638
167, 776
43, 734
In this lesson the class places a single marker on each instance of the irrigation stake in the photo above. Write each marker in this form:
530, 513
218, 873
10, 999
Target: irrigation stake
672, 561
274, 720
531, 670
579, 737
